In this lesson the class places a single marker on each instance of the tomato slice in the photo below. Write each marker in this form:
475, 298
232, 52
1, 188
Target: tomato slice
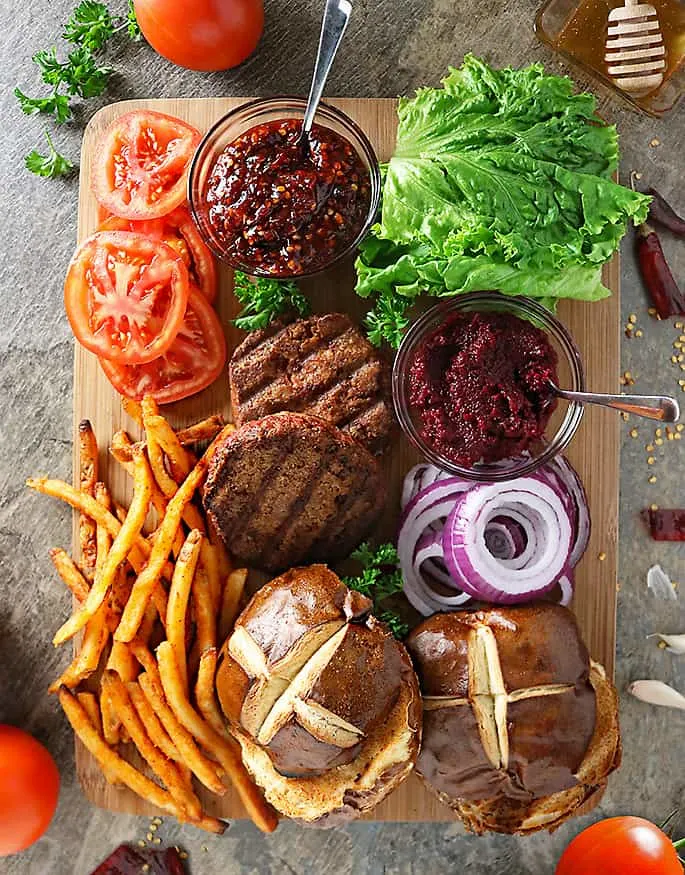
178, 231
195, 359
126, 296
141, 169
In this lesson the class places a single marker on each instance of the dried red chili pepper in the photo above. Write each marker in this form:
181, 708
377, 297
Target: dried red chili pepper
666, 524
662, 212
126, 860
660, 282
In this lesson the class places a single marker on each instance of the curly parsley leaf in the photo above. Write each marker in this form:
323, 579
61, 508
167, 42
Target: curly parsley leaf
90, 26
83, 75
379, 579
88, 31
51, 165
265, 299
388, 320
395, 623
55, 104
132, 26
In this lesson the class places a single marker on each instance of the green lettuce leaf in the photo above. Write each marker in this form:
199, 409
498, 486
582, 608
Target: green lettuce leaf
500, 179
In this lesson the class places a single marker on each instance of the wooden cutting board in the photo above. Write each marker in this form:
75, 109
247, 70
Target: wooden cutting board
594, 451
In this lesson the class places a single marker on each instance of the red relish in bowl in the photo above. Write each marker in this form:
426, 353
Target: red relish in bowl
283, 208
479, 384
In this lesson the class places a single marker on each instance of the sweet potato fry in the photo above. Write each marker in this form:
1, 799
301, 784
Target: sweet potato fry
91, 706
132, 408
205, 616
204, 692
163, 768
88, 475
108, 758
149, 576
205, 430
226, 751
121, 547
70, 573
230, 602
89, 702
158, 430
152, 723
179, 595
202, 767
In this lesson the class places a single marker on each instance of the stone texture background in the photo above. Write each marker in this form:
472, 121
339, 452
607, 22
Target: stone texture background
392, 46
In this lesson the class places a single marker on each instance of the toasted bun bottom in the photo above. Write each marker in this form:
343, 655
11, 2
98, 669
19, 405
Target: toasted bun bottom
549, 812
346, 792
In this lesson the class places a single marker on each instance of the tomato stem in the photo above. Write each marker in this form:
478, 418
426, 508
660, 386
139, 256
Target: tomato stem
679, 844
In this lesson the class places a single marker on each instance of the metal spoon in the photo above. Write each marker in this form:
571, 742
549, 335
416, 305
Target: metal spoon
659, 407
335, 18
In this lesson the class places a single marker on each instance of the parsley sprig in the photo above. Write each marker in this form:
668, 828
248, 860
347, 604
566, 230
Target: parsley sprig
388, 320
51, 165
265, 299
82, 74
380, 579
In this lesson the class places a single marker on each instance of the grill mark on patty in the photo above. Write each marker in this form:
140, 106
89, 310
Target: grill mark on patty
342, 521
309, 400
297, 506
258, 354
322, 366
245, 517
306, 472
280, 513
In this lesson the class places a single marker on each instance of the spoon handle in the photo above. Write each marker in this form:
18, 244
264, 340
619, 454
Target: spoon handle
333, 27
659, 407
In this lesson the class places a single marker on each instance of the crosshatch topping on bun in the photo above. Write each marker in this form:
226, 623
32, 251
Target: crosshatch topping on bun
322, 698
512, 708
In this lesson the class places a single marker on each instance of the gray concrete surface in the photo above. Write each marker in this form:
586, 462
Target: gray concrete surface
392, 47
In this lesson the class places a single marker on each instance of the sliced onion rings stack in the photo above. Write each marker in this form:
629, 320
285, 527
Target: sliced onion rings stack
496, 542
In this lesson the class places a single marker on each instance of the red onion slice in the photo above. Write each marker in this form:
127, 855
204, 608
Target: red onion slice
482, 575
412, 484
573, 485
430, 506
566, 585
429, 546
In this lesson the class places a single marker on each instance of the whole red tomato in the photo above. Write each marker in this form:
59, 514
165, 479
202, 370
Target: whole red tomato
202, 34
620, 846
29, 786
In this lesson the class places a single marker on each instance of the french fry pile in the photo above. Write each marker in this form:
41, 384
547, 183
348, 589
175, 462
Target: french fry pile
152, 608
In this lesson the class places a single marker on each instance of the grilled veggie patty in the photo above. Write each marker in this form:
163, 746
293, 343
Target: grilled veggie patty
321, 365
290, 489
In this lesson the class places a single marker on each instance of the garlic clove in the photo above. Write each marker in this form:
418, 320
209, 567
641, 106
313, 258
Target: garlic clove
657, 693
660, 584
674, 643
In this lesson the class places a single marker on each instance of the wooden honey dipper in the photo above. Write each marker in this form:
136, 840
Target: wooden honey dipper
635, 52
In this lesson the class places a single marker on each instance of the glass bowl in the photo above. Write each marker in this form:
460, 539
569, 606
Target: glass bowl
247, 116
564, 421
